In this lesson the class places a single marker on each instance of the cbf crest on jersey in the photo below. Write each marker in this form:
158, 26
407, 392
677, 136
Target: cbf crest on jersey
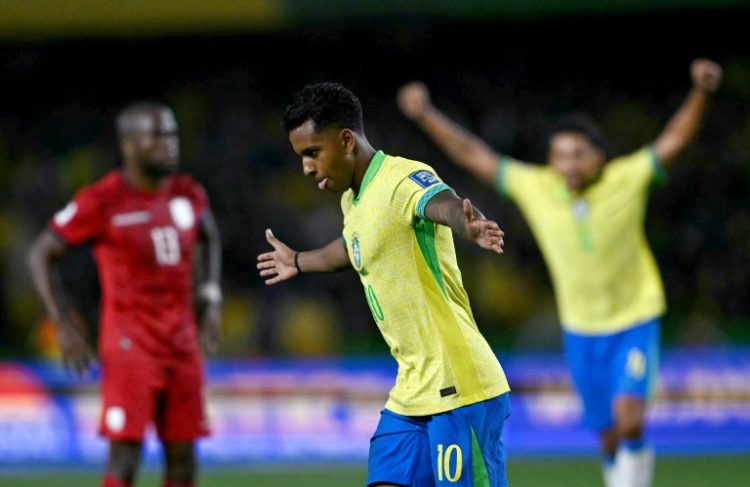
182, 213
580, 209
356, 253
424, 178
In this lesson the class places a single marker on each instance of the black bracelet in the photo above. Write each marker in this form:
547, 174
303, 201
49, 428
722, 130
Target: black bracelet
296, 262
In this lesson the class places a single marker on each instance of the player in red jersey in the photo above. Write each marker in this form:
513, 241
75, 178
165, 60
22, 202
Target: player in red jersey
146, 224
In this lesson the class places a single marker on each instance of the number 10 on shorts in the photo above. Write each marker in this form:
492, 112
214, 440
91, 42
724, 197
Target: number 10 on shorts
449, 468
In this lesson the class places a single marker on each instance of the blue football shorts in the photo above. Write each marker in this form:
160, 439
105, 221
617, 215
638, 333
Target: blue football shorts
462, 447
607, 366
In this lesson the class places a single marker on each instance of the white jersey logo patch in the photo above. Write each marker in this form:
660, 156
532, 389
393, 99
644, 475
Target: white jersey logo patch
133, 218
64, 216
182, 213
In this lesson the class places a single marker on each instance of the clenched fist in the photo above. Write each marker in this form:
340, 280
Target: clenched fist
413, 99
706, 75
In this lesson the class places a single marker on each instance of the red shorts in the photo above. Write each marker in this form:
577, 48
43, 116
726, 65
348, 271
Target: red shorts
138, 391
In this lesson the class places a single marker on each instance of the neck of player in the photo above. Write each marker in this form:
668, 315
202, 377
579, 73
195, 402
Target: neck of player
362, 158
141, 181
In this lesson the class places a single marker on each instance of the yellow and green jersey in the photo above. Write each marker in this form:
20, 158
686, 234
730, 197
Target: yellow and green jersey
603, 272
408, 268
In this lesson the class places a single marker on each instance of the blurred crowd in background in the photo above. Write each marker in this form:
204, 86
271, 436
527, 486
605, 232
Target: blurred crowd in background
506, 81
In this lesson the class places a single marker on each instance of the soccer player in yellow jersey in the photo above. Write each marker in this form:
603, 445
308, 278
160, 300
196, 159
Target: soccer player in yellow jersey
587, 214
443, 422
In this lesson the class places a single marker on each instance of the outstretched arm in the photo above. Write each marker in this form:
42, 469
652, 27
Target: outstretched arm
45, 253
208, 291
684, 124
464, 219
464, 148
284, 263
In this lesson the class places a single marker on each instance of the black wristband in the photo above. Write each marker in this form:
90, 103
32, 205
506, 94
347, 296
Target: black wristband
296, 262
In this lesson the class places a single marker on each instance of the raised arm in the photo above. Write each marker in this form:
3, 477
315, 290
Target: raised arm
464, 148
208, 290
684, 124
45, 253
465, 220
284, 263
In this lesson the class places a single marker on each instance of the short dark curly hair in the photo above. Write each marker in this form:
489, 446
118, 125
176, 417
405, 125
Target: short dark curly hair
581, 123
326, 105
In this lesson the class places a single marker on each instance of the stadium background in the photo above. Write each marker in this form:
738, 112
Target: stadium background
504, 69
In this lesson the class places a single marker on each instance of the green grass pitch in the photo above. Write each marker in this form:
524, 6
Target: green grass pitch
671, 471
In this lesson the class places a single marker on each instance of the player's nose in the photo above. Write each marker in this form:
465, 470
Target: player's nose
308, 169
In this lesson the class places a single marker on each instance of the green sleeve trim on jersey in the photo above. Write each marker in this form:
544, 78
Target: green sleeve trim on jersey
501, 176
478, 465
422, 204
660, 175
425, 232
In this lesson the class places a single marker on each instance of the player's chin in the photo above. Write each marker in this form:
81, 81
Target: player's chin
333, 187
159, 170
575, 185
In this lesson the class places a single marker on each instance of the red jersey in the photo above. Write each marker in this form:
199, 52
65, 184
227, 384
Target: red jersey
143, 246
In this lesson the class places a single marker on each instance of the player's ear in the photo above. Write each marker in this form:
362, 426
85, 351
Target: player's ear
346, 138
600, 156
126, 147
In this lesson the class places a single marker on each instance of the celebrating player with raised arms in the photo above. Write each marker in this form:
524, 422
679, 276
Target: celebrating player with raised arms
587, 215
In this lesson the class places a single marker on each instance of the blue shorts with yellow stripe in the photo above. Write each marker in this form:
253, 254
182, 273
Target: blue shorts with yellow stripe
462, 447
607, 366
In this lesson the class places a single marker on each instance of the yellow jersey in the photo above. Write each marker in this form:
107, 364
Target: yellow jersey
603, 272
413, 286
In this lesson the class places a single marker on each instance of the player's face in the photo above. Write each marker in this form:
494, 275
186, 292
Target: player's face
575, 159
326, 155
154, 143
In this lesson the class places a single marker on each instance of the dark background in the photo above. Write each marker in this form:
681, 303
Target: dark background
506, 78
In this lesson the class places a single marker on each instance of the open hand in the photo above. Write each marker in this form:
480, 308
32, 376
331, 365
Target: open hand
209, 328
278, 265
77, 354
486, 233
